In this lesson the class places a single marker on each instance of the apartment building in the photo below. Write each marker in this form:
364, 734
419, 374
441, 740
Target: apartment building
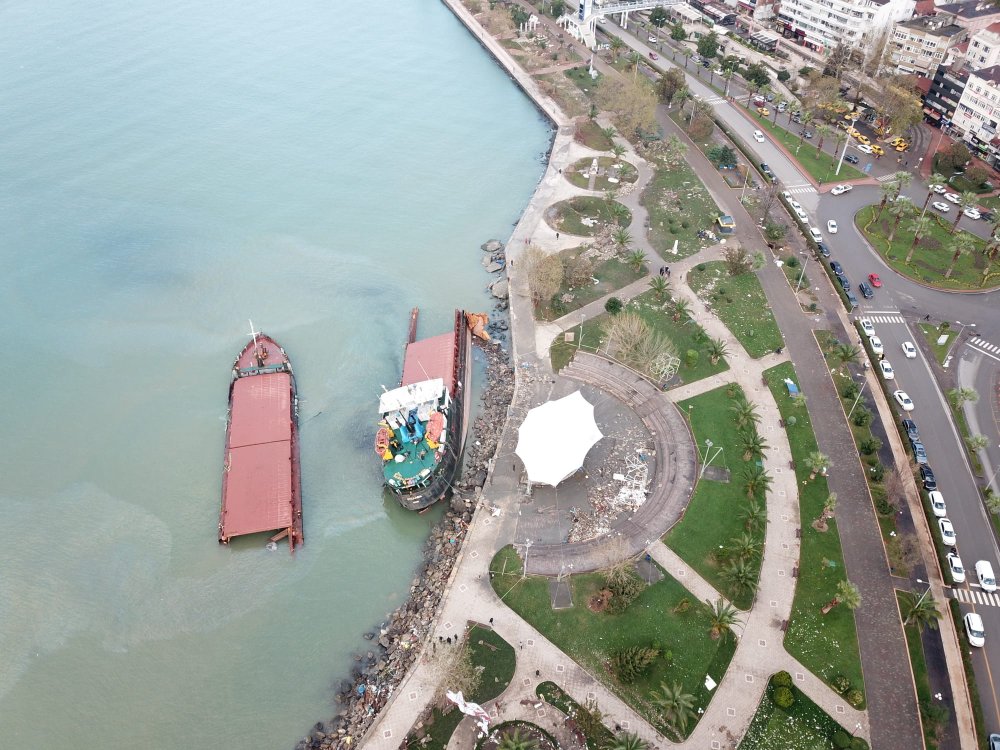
945, 93
984, 48
921, 44
978, 113
974, 16
820, 25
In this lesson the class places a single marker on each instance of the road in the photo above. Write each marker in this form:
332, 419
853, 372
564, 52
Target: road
895, 309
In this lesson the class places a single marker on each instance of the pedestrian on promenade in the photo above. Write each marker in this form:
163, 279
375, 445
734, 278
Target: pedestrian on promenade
557, 235
491, 622
668, 272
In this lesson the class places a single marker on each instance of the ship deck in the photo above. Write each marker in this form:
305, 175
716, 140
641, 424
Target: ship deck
413, 464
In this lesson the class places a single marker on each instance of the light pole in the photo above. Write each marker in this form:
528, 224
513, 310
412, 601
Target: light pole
994, 475
860, 394
803, 274
959, 335
844, 152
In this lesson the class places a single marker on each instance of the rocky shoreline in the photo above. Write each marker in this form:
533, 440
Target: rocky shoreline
396, 643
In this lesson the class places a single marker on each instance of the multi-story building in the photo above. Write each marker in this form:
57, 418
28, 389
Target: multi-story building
945, 93
984, 48
821, 25
974, 16
922, 44
978, 113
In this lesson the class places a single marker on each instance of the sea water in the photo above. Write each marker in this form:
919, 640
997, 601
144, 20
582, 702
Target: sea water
168, 171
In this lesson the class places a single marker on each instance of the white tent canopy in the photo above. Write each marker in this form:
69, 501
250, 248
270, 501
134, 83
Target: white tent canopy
555, 437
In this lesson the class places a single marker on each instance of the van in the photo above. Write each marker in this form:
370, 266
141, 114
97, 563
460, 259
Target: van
815, 234
852, 301
984, 572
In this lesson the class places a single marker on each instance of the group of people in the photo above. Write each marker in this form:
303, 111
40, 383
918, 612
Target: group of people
665, 271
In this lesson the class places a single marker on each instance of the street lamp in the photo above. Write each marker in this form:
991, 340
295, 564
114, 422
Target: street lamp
843, 153
959, 334
994, 475
803, 274
860, 394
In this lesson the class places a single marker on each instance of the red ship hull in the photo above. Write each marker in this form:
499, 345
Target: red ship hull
261, 479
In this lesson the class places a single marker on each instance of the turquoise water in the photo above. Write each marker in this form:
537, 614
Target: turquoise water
167, 171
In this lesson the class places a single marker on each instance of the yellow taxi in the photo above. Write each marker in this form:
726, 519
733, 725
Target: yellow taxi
902, 146
878, 150
863, 139
763, 111
896, 141
853, 132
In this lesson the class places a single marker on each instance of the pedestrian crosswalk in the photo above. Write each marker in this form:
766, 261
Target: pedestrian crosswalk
976, 596
886, 177
985, 345
800, 189
713, 100
886, 318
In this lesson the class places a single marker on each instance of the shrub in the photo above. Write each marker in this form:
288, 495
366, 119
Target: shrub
624, 590
855, 697
804, 72
877, 473
791, 421
691, 357
850, 390
881, 500
813, 307
613, 306
784, 697
700, 266
868, 446
783, 75
841, 684
781, 679
685, 224
863, 416
792, 261
841, 739
630, 663
722, 291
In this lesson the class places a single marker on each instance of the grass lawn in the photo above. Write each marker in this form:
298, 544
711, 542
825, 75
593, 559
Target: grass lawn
920, 680
740, 303
597, 735
568, 216
931, 333
803, 726
713, 515
686, 335
588, 132
579, 172
933, 254
591, 637
497, 658
826, 644
990, 203
679, 206
822, 166
611, 275
572, 100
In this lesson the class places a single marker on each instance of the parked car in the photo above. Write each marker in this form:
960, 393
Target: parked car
903, 400
874, 280
836, 268
866, 291
953, 198
909, 350
769, 97
852, 301
976, 633
815, 234
653, 56
831, 226
878, 150
910, 427
851, 159
653, 38
841, 189
822, 249
972, 213
942, 207
864, 148
766, 169
887, 371
864, 141
987, 215
866, 327
763, 111
930, 482
939, 189
984, 572
876, 344
955, 568
947, 532
845, 283
938, 507
995, 742
919, 452
758, 136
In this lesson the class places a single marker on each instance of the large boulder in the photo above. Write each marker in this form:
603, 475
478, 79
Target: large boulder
499, 289
492, 246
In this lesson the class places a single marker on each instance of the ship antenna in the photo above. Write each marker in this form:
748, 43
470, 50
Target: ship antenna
253, 335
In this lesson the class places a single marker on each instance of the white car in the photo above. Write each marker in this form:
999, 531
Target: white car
903, 400
942, 207
972, 213
803, 216
909, 350
938, 507
984, 572
758, 136
867, 327
956, 569
947, 532
864, 148
974, 630
653, 39
876, 344
815, 234
841, 189
886, 368
831, 226
939, 189
953, 198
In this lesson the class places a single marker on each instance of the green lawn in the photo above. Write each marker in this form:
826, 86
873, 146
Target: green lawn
497, 659
686, 335
821, 166
588, 132
568, 216
740, 303
931, 333
591, 637
928, 712
612, 274
932, 256
825, 644
578, 173
713, 515
804, 726
679, 206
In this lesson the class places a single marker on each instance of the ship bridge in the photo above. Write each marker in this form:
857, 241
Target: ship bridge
583, 23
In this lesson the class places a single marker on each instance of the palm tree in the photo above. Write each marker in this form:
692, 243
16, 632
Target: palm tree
722, 616
829, 506
637, 260
659, 286
716, 350
840, 137
977, 442
682, 309
778, 100
936, 179
627, 741
919, 226
756, 480
962, 244
822, 131
676, 705
728, 75
921, 611
889, 192
899, 209
634, 59
847, 353
817, 462
687, 56
847, 594
618, 212
754, 446
618, 150
754, 516
744, 546
617, 45
744, 412
516, 741
740, 576
965, 201
959, 396
622, 237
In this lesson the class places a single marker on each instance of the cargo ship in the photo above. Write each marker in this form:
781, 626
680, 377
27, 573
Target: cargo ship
422, 423
261, 481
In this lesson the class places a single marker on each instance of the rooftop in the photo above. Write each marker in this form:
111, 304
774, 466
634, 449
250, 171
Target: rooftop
934, 26
991, 74
970, 10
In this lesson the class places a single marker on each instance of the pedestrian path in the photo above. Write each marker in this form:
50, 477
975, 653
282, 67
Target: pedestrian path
974, 596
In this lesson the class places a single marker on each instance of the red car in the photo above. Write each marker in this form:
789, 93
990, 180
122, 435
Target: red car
874, 280
653, 56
